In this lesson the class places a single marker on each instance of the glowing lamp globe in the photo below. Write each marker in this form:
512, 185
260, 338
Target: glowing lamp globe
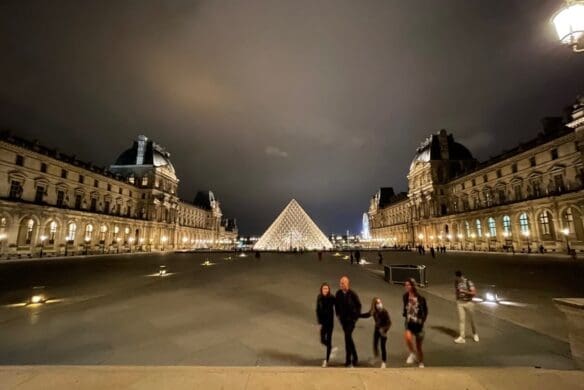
569, 24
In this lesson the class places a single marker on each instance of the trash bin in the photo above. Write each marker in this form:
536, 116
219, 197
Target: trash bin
398, 274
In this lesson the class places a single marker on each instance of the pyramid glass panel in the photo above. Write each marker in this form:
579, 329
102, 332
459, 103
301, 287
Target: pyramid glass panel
293, 229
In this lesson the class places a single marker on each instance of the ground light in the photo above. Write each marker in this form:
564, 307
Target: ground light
38, 296
337, 254
242, 254
162, 271
207, 263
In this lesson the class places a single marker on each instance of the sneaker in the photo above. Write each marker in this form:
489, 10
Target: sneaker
411, 359
421, 365
383, 365
459, 340
475, 338
324, 364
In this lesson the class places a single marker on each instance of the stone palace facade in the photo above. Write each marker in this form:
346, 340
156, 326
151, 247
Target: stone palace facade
524, 199
57, 204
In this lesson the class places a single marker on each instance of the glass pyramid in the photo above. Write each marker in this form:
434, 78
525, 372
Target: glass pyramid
293, 229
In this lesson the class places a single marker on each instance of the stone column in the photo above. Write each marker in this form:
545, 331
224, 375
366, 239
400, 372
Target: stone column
573, 308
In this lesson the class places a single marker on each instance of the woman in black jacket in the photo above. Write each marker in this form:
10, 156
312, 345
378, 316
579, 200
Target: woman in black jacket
415, 312
325, 315
382, 325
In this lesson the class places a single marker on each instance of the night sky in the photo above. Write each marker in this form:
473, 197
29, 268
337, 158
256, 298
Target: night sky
262, 101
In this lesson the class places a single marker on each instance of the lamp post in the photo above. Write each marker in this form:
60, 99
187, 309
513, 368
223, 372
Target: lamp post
87, 241
569, 24
131, 242
488, 235
118, 239
526, 234
163, 239
2, 239
43, 238
566, 233
474, 241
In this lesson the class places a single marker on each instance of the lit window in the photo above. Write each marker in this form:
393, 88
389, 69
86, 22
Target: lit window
479, 228
52, 232
544, 221
506, 224
492, 226
468, 231
524, 223
569, 220
71, 230
29, 228
88, 232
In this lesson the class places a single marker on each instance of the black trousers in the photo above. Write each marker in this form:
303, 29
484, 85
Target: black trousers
351, 351
326, 338
379, 340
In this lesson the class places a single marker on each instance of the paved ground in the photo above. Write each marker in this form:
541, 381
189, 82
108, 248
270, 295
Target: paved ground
251, 378
243, 312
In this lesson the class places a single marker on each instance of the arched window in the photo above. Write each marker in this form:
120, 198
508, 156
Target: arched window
569, 220
479, 228
71, 230
544, 223
492, 226
3, 224
88, 232
29, 229
467, 229
102, 232
52, 232
524, 224
506, 224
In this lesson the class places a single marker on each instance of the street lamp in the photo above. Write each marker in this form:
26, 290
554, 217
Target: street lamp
163, 239
131, 241
118, 239
569, 24
488, 235
460, 237
474, 242
566, 233
43, 238
87, 240
526, 234
2, 238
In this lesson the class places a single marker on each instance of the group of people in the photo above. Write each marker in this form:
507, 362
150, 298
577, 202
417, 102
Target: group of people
347, 307
440, 249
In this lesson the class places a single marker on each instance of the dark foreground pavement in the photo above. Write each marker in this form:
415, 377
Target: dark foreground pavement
256, 378
237, 312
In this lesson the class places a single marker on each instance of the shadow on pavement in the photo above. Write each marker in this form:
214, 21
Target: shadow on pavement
447, 331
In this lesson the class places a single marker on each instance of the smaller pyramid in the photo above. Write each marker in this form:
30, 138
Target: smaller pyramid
293, 229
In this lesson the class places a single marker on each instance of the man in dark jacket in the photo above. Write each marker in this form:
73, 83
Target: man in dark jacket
348, 309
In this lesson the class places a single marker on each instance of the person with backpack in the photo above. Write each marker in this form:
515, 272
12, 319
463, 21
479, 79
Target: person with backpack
382, 324
415, 311
325, 315
465, 291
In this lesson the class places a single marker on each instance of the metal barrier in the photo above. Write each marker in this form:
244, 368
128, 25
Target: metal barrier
400, 273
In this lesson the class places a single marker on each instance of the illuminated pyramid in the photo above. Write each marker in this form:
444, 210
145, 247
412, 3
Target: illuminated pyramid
293, 229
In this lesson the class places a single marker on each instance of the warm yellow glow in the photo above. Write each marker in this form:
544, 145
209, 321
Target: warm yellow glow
569, 23
43, 238
39, 298
566, 231
420, 236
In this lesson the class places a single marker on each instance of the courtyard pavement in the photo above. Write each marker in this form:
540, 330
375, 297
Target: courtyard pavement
237, 311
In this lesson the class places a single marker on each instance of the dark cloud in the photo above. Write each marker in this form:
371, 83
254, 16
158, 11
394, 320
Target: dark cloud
262, 101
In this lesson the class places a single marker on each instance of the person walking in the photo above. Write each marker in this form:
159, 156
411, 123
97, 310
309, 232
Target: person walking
357, 256
415, 311
319, 255
352, 258
382, 324
325, 315
465, 291
380, 257
433, 252
348, 310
